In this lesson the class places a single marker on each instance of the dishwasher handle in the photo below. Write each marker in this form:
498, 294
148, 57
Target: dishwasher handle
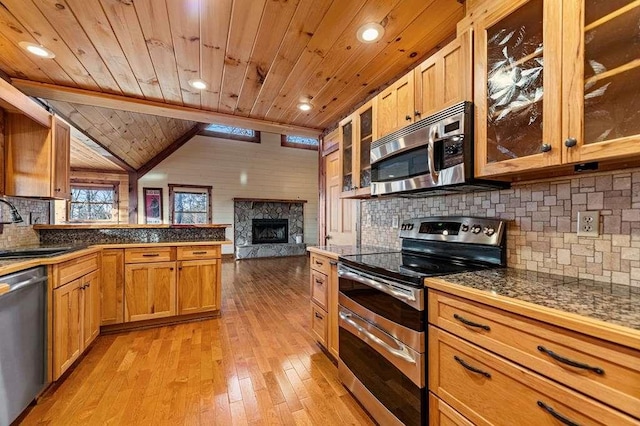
24, 284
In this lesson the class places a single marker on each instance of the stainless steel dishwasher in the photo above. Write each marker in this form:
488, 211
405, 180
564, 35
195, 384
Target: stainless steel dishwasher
23, 341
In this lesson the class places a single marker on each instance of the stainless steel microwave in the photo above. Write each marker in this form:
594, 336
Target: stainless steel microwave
433, 155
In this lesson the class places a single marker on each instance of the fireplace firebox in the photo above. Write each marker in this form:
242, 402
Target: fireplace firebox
270, 231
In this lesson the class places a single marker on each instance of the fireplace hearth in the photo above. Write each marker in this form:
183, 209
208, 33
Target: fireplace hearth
269, 231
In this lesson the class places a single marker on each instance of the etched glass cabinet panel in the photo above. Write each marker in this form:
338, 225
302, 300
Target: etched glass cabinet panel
346, 147
602, 79
517, 87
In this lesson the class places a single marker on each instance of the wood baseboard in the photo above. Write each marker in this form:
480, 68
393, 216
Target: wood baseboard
157, 322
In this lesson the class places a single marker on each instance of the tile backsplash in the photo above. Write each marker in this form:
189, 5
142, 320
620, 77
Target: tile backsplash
23, 234
542, 216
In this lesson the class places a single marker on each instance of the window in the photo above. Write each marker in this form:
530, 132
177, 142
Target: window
190, 204
303, 142
230, 132
93, 202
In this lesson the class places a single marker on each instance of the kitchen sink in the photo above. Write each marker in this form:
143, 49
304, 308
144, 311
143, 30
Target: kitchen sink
28, 253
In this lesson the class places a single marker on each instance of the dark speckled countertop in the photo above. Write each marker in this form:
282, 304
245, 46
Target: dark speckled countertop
335, 251
611, 303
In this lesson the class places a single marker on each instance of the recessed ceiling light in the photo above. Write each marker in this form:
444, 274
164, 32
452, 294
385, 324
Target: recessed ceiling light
305, 106
37, 49
368, 33
197, 83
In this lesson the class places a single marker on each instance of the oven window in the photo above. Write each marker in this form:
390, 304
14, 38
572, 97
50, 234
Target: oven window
385, 381
402, 166
383, 304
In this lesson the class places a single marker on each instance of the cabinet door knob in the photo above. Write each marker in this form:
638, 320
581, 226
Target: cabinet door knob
407, 117
417, 113
570, 142
545, 147
58, 189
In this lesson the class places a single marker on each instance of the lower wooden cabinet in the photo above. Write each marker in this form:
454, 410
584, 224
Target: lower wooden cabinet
76, 320
112, 288
198, 282
150, 291
324, 302
441, 414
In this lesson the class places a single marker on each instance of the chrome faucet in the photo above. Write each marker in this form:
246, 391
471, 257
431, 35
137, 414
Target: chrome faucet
15, 216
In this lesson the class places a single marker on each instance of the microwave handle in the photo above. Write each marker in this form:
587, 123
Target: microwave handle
433, 135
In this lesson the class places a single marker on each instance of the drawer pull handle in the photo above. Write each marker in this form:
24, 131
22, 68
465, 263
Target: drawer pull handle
319, 263
471, 368
557, 415
567, 361
318, 315
471, 323
319, 282
199, 252
151, 255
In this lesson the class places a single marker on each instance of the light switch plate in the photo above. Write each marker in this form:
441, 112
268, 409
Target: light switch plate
589, 224
395, 222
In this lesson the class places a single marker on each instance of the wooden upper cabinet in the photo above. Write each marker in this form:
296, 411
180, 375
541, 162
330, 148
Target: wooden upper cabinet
357, 132
36, 158
60, 179
445, 78
517, 87
395, 106
556, 85
601, 79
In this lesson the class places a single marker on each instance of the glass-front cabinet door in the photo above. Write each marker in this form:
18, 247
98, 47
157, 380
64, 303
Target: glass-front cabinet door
518, 87
357, 132
601, 79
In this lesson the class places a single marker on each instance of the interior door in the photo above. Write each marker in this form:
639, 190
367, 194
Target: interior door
341, 214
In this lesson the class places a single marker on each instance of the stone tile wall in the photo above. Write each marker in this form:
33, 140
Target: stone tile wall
542, 223
245, 211
22, 234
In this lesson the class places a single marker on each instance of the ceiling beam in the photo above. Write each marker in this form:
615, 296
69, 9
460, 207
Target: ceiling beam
141, 106
146, 168
111, 156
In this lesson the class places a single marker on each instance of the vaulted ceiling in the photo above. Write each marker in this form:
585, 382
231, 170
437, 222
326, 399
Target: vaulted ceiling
259, 57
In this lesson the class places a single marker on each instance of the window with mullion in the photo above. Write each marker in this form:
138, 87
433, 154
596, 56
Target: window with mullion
190, 205
92, 203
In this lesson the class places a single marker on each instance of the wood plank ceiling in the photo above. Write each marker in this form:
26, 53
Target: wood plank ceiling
259, 57
133, 138
86, 154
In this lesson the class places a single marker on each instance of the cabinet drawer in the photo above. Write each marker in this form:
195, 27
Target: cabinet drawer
143, 255
198, 252
319, 289
73, 269
489, 390
320, 264
441, 414
614, 373
319, 324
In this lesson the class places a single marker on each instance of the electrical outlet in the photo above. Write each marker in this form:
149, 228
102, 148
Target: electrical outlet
395, 222
589, 224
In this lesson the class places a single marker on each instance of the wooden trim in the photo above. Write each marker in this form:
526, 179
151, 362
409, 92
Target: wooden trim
99, 171
175, 145
172, 199
13, 100
240, 138
123, 103
133, 197
269, 200
111, 157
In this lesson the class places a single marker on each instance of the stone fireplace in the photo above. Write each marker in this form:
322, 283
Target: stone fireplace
269, 231
268, 228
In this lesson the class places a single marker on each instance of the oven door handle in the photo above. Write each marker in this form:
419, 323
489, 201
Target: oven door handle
379, 285
400, 352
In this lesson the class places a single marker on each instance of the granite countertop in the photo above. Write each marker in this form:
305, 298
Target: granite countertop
79, 225
611, 303
335, 251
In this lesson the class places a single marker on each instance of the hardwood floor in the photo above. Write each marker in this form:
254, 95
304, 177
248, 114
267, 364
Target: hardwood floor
257, 364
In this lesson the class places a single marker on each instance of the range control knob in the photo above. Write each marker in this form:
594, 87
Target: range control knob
403, 227
488, 231
410, 226
476, 229
464, 227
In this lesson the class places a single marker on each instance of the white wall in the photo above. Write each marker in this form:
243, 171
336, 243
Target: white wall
240, 170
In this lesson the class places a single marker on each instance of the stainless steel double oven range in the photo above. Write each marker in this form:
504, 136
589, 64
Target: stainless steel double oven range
383, 318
